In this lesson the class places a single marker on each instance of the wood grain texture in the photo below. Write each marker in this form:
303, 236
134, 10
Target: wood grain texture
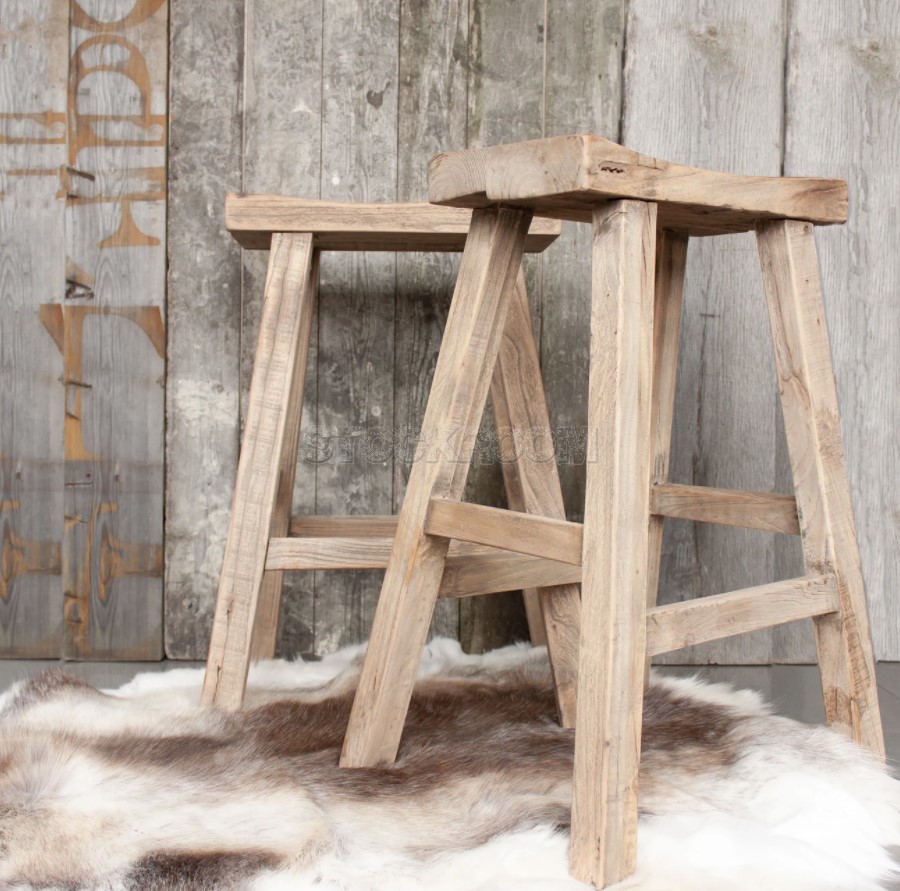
204, 313
565, 176
33, 75
704, 88
495, 527
431, 113
355, 402
114, 345
668, 299
678, 625
280, 364
531, 480
841, 116
812, 423
751, 510
281, 154
358, 226
505, 102
459, 391
616, 531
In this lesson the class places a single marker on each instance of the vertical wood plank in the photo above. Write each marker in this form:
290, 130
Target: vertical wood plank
277, 383
356, 321
33, 73
470, 345
432, 105
282, 110
204, 291
505, 104
614, 567
703, 87
668, 293
790, 269
114, 346
842, 108
582, 94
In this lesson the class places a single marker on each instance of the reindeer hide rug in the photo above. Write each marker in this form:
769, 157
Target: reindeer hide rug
142, 790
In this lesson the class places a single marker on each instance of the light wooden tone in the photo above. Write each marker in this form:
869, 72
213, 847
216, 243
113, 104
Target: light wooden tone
812, 424
564, 176
523, 533
668, 293
502, 571
678, 625
727, 507
359, 226
844, 60
283, 334
459, 391
325, 526
616, 522
265, 622
533, 486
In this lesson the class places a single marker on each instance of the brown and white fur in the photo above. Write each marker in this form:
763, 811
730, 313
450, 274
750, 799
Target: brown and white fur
143, 790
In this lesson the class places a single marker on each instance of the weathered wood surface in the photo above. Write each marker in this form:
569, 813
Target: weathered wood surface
702, 84
33, 73
204, 313
841, 116
716, 102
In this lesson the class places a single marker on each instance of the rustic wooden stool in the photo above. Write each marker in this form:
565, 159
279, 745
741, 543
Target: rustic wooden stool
264, 540
642, 211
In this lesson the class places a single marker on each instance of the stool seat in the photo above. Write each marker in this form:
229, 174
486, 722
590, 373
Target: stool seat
565, 177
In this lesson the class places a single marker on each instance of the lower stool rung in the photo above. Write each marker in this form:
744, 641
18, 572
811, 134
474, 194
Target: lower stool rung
678, 625
727, 507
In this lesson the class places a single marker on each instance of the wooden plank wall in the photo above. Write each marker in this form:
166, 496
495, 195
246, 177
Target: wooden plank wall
349, 100
83, 251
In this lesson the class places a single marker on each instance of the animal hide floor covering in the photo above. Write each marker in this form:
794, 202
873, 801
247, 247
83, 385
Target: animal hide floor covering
141, 790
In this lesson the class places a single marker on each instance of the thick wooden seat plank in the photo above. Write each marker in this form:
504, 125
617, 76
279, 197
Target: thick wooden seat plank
358, 226
564, 177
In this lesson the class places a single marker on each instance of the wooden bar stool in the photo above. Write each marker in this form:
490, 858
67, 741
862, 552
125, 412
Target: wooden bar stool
642, 211
264, 540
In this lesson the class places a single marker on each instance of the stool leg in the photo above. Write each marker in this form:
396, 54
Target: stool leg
278, 372
456, 402
265, 627
616, 527
532, 484
671, 257
793, 288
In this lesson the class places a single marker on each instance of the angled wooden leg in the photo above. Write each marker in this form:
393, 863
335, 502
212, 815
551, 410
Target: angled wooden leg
265, 627
458, 394
532, 484
793, 288
280, 360
671, 256
614, 564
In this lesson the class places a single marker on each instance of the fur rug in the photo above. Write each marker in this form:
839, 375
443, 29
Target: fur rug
140, 790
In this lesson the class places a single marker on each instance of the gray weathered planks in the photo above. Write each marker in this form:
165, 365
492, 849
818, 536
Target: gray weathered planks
843, 101
33, 72
431, 115
114, 347
283, 99
356, 305
703, 87
204, 311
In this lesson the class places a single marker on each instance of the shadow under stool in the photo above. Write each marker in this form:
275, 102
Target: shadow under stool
642, 212
264, 539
